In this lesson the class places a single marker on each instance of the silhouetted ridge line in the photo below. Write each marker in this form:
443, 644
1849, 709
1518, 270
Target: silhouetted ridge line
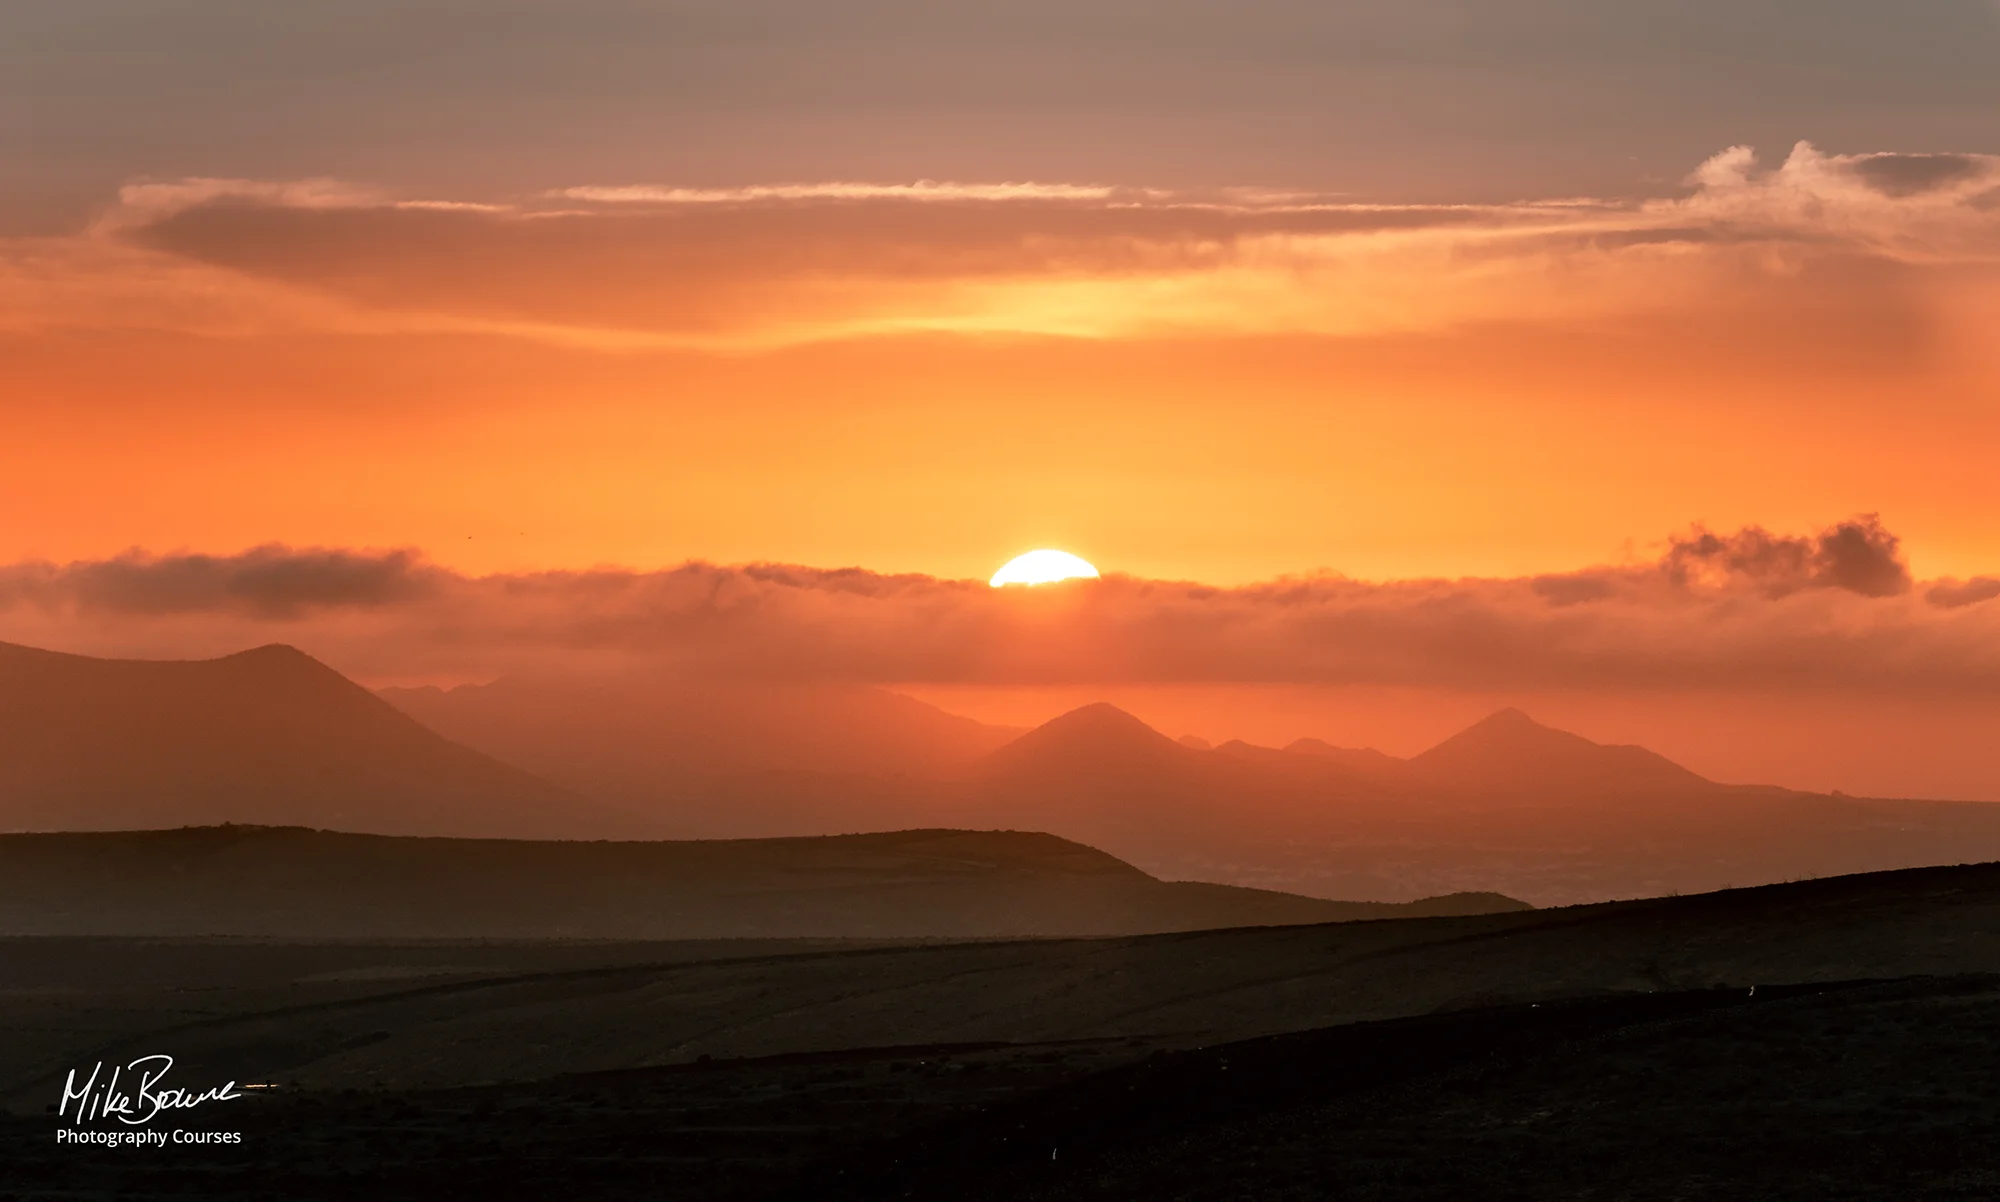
294, 881
1510, 750
1095, 740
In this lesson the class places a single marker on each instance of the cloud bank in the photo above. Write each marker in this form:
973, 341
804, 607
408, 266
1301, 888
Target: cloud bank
625, 266
1834, 611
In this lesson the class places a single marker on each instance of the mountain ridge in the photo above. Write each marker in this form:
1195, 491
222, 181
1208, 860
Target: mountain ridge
933, 883
263, 734
1509, 750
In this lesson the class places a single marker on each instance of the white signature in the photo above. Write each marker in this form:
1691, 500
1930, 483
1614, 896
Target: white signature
97, 1099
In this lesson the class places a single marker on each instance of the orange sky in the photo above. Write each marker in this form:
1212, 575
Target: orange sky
1188, 388
1223, 294
1223, 462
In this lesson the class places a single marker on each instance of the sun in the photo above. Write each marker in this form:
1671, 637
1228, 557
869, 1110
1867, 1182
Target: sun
1043, 567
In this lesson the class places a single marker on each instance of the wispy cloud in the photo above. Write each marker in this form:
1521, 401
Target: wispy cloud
636, 266
921, 190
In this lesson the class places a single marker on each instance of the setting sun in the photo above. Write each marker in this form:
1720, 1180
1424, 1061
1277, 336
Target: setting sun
1043, 567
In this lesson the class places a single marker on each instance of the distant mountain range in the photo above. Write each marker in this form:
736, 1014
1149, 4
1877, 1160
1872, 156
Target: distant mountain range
270, 735
296, 883
1508, 805
644, 739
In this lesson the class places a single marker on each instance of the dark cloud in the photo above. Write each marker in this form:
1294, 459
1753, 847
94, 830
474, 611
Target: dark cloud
1902, 175
1750, 610
271, 582
1955, 594
1857, 555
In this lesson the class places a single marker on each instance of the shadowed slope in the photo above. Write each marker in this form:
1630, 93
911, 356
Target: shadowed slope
268, 735
650, 1005
291, 882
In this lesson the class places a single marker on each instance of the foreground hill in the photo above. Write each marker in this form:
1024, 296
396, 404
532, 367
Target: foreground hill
269, 735
296, 883
1823, 1039
435, 1015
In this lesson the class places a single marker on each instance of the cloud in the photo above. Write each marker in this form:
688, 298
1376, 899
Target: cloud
922, 190
1908, 207
633, 266
266, 583
1750, 610
1857, 555
1903, 175
1954, 594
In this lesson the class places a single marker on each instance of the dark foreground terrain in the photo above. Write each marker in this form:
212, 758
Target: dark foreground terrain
1885, 1090
1826, 1039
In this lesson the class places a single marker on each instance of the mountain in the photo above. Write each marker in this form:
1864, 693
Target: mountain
299, 883
1364, 759
1101, 775
268, 735
1510, 752
660, 742
272, 737
1097, 743
1508, 805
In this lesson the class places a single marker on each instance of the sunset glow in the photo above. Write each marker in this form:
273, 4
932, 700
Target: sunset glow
1043, 567
499, 516
1356, 391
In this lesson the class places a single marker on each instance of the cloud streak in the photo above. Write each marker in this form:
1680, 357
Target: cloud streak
922, 190
633, 266
1834, 611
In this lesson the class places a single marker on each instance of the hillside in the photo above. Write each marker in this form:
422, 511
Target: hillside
339, 1014
293, 882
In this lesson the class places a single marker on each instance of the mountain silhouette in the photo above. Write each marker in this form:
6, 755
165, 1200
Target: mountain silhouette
269, 735
1102, 776
272, 737
1360, 759
1509, 752
1507, 804
1098, 742
660, 742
